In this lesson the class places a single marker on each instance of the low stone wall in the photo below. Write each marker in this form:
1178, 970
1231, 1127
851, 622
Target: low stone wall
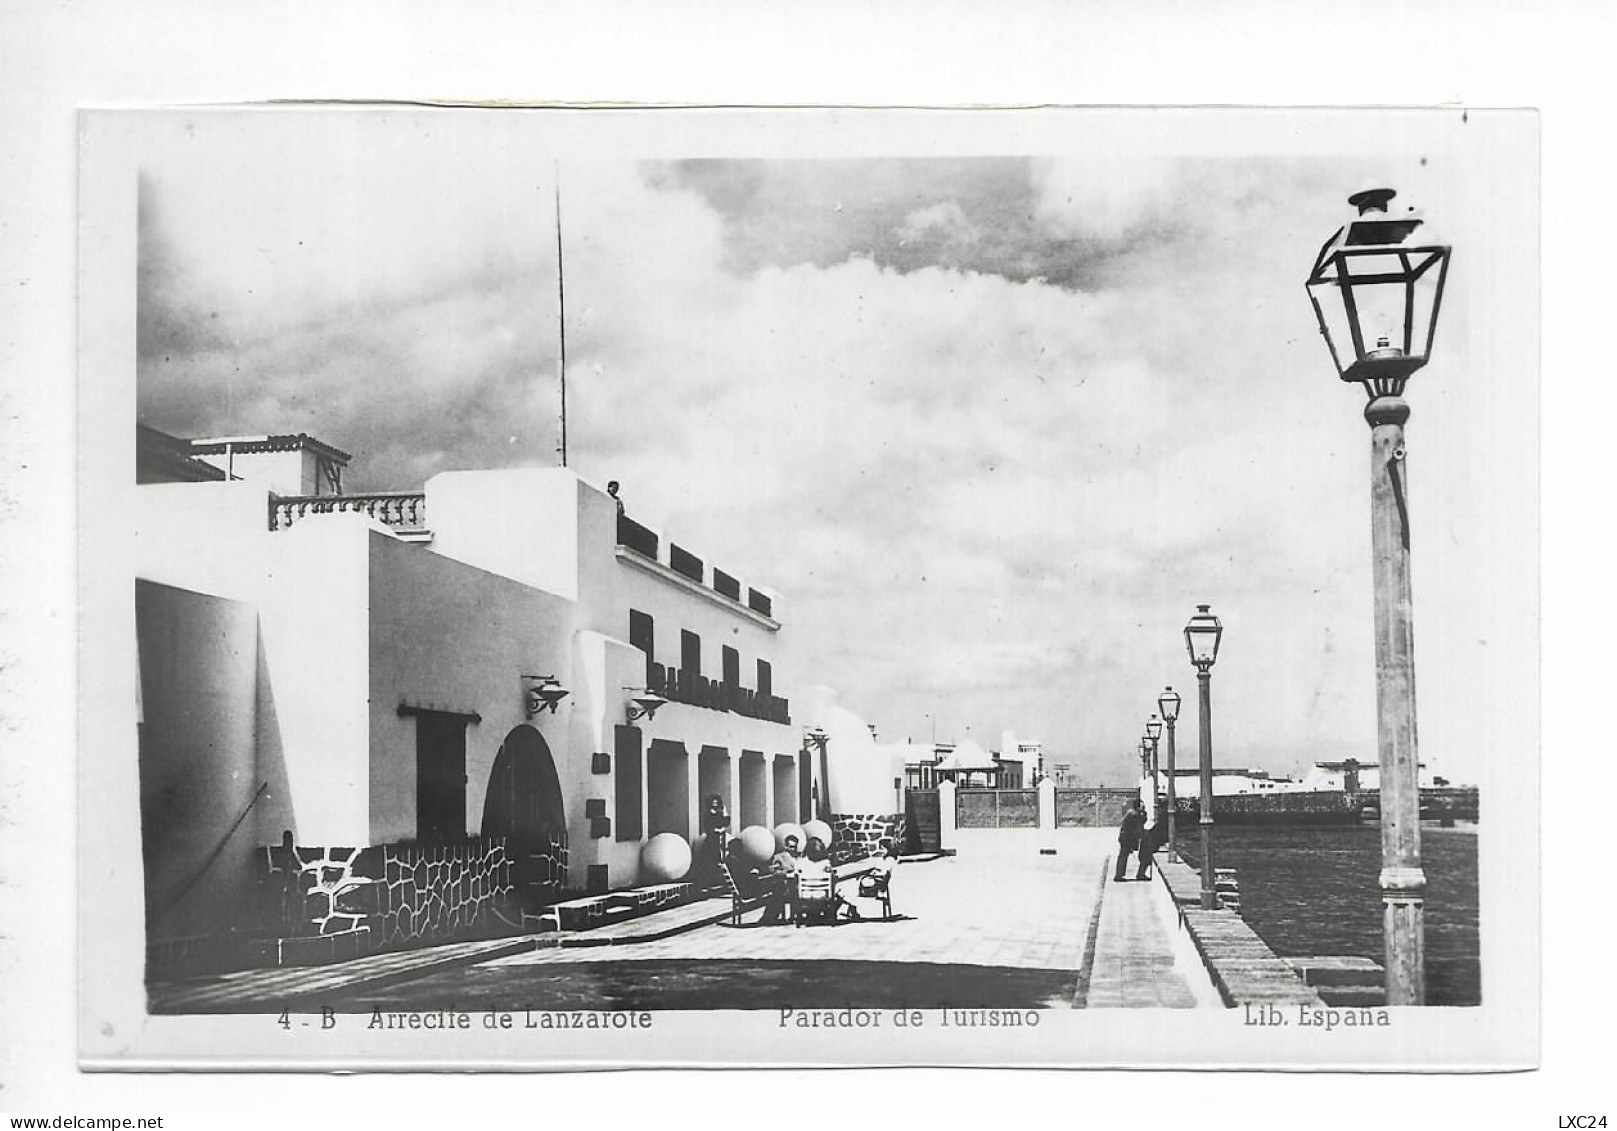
385, 895
1314, 808
855, 836
432, 893
1241, 965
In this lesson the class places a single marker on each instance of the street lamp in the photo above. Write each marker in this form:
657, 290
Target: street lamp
1145, 775
1378, 292
1168, 704
1153, 731
817, 739
1202, 636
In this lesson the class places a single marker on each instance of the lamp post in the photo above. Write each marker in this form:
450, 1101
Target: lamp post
817, 739
1153, 731
1376, 294
1202, 636
1168, 704
1145, 773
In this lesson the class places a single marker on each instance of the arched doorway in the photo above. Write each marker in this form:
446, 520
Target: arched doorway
524, 805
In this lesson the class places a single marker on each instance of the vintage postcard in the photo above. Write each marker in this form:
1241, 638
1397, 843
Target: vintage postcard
584, 588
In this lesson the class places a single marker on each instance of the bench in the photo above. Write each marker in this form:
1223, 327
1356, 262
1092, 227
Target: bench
590, 911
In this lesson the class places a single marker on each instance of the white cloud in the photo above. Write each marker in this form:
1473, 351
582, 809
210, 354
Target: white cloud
995, 498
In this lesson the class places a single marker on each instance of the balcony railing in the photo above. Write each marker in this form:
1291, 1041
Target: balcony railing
400, 510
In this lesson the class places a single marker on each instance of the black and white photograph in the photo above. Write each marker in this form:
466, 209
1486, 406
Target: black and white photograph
612, 588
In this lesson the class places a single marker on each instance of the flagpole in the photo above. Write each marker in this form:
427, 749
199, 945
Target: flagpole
561, 323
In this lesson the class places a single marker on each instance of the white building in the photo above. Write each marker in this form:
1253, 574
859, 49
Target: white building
430, 697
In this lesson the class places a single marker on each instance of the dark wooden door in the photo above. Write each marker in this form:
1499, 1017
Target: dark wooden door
440, 763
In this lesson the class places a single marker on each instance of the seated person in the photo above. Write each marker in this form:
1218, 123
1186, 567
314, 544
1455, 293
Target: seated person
754, 884
786, 861
881, 869
816, 860
816, 864
749, 880
874, 882
783, 872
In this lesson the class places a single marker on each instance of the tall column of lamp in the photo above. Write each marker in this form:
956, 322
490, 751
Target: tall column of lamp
1376, 293
1168, 705
1202, 636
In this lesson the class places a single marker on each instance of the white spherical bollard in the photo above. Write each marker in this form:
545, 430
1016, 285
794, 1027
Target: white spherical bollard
817, 830
664, 859
757, 844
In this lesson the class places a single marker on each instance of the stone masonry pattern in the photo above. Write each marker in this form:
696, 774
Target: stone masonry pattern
398, 894
855, 836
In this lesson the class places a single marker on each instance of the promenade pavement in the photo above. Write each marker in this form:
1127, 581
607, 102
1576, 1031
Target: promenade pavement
998, 904
983, 909
1133, 965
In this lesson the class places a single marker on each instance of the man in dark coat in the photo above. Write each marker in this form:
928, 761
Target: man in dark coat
1128, 837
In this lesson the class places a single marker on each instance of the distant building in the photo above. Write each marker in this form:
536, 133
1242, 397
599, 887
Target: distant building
1230, 781
966, 764
1324, 777
1353, 775
1027, 751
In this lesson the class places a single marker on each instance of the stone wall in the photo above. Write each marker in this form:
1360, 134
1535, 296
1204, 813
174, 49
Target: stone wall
855, 836
433, 893
392, 895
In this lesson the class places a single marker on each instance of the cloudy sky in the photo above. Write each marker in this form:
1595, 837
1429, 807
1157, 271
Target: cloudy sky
991, 426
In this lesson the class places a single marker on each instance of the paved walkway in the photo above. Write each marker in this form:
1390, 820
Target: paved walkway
998, 905
1025, 911
1133, 966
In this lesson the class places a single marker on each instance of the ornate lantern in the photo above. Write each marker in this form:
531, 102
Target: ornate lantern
1168, 704
1376, 294
1202, 635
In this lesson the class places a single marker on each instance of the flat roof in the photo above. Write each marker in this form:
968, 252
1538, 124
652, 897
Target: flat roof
287, 442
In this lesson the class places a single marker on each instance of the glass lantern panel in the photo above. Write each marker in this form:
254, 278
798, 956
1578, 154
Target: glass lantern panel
1381, 311
1377, 287
1425, 298
1330, 308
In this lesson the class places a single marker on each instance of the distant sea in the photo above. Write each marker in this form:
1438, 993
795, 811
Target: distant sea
1316, 891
